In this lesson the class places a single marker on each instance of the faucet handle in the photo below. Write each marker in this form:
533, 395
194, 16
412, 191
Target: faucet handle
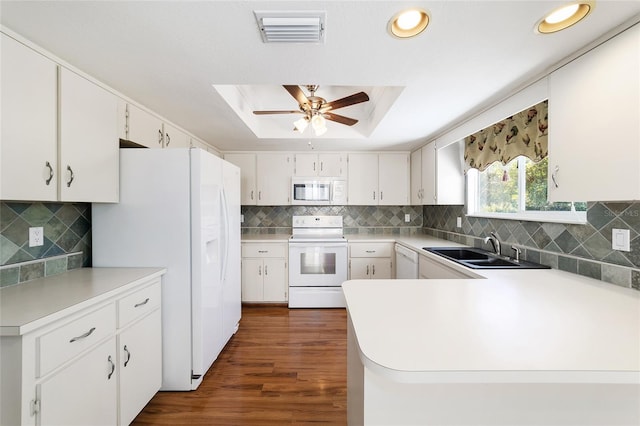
518, 252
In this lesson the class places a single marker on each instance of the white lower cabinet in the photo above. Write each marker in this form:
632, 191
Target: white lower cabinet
264, 272
97, 366
433, 269
371, 260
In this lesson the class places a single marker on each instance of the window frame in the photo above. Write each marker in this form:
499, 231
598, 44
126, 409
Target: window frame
570, 217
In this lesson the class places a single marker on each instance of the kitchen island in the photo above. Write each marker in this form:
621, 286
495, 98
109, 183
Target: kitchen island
536, 347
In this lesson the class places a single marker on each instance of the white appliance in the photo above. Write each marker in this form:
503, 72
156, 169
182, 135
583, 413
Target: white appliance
406, 263
310, 191
179, 209
317, 262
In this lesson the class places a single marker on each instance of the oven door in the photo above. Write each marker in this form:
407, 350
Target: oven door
317, 264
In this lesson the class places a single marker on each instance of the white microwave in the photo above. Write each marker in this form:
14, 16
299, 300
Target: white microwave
313, 192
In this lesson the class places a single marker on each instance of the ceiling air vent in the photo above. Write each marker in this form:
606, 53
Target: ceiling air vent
291, 27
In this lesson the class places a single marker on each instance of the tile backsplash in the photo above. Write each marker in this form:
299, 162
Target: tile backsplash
582, 249
67, 239
356, 219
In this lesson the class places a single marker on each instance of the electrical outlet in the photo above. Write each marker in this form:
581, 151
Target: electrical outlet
241, 218
36, 236
459, 222
407, 217
620, 239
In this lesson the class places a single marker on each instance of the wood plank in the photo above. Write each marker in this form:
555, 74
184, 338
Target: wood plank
283, 366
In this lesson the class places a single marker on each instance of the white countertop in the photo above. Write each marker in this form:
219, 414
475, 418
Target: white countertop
29, 305
514, 326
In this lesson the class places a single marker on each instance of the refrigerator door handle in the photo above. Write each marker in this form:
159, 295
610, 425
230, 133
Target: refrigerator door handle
225, 234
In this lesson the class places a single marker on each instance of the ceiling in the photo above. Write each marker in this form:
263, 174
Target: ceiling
169, 55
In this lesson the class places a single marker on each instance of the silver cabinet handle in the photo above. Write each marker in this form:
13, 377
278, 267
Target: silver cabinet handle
314, 166
83, 336
374, 195
137, 305
259, 195
367, 269
265, 270
252, 194
128, 355
259, 270
70, 178
168, 139
113, 367
554, 175
263, 251
371, 251
160, 136
381, 195
321, 165
373, 269
48, 174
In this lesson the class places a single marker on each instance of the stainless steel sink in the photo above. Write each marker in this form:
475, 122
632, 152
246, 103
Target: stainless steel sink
476, 258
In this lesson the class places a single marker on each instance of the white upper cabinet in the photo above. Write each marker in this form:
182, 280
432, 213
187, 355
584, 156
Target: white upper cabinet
379, 179
594, 136
89, 143
144, 128
247, 164
393, 179
274, 173
324, 165
363, 179
28, 148
175, 138
437, 176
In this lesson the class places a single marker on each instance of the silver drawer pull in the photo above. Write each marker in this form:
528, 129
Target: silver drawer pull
371, 251
113, 367
128, 355
263, 251
87, 334
137, 305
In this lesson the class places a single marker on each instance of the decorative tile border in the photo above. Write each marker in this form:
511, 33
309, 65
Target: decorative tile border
17, 273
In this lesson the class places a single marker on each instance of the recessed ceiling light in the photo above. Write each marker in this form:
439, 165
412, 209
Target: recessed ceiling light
408, 23
565, 16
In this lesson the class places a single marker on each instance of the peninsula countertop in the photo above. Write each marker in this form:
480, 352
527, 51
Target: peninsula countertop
533, 326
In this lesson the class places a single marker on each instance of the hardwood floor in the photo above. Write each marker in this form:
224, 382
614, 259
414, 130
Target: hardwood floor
282, 367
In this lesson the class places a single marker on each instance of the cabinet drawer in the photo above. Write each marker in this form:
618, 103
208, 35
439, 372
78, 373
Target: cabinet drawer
138, 304
67, 341
265, 250
371, 250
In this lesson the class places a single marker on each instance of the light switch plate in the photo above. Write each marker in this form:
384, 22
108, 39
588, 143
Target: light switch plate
620, 239
36, 236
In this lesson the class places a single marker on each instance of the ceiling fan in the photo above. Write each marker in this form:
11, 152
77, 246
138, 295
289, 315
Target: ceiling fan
316, 109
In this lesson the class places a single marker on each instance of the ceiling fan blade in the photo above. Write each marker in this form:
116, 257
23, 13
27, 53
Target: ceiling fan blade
277, 112
297, 93
356, 98
340, 119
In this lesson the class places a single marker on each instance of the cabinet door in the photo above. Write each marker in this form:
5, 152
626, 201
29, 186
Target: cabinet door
84, 393
247, 164
450, 175
306, 165
393, 179
89, 143
363, 179
332, 165
139, 364
274, 173
594, 105
381, 268
429, 174
122, 119
416, 178
175, 138
275, 280
252, 280
431, 269
144, 128
28, 151
360, 268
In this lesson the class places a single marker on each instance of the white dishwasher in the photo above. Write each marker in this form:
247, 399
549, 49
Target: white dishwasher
406, 263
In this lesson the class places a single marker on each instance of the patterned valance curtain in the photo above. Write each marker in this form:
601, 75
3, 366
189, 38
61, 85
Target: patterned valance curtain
524, 133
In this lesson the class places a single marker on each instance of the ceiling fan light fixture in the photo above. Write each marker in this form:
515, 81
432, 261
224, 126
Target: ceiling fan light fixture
319, 124
301, 124
565, 16
408, 23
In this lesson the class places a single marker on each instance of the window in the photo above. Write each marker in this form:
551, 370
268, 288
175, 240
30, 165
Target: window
518, 191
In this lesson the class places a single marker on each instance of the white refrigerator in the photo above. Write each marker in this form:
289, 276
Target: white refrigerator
179, 209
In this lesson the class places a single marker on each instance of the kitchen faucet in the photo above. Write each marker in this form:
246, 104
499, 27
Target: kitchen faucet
493, 238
